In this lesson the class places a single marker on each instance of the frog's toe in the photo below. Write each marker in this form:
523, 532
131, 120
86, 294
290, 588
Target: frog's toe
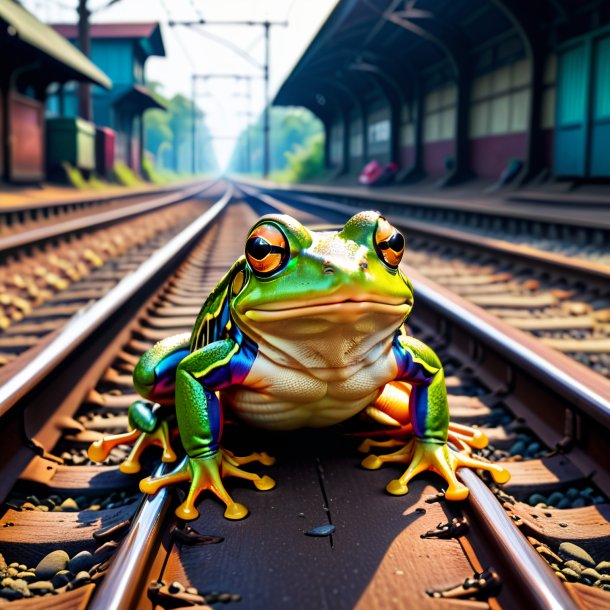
235, 511
368, 443
397, 488
499, 473
262, 483
371, 462
473, 437
157, 438
99, 450
263, 458
402, 456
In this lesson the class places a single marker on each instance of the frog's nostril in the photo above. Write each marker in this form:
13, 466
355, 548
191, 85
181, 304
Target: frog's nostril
328, 268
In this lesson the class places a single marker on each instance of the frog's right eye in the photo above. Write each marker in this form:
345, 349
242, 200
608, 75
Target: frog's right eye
267, 249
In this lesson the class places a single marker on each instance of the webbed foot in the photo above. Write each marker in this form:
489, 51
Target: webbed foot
207, 474
146, 429
443, 460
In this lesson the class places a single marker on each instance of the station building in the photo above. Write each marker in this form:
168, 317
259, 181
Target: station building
121, 50
33, 56
455, 90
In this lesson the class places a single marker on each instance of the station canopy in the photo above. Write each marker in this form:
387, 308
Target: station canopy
62, 61
137, 99
370, 45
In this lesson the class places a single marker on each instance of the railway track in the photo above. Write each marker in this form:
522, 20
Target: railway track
383, 551
562, 299
51, 272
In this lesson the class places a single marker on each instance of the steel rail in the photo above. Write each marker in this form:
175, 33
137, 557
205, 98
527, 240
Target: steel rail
26, 238
428, 202
122, 583
556, 262
86, 321
536, 359
538, 580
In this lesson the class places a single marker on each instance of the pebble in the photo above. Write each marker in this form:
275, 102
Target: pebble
574, 565
10, 594
571, 575
573, 551
69, 506
591, 573
61, 579
21, 587
535, 499
603, 567
561, 576
82, 578
555, 498
176, 587
41, 586
518, 448
27, 576
51, 564
82, 561
321, 530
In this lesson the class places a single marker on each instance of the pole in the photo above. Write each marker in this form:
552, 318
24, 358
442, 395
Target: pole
194, 128
84, 41
266, 126
249, 114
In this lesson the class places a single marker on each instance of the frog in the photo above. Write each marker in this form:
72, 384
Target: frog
307, 329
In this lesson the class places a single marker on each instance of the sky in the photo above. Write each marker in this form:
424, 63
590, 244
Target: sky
213, 50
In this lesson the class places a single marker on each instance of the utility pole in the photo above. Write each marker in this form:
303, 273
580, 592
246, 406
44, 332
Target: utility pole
194, 126
84, 42
266, 125
267, 27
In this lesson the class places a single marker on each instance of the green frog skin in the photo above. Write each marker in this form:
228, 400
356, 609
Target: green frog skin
306, 330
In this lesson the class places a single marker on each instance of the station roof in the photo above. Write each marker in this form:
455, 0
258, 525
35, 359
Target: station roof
68, 62
148, 34
136, 99
397, 44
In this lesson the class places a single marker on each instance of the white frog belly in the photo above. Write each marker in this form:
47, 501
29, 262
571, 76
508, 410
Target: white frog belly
278, 398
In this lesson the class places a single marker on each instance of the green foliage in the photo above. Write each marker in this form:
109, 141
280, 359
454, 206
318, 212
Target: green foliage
168, 136
290, 127
124, 175
306, 162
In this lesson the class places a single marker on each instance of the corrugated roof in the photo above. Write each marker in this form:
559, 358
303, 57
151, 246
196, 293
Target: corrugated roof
146, 30
26, 28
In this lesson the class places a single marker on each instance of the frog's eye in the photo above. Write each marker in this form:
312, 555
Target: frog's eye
389, 243
267, 250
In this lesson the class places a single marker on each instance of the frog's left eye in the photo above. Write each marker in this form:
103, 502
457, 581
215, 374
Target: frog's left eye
267, 250
389, 243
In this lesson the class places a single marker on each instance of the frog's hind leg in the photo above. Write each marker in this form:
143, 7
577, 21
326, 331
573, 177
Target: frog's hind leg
146, 429
390, 408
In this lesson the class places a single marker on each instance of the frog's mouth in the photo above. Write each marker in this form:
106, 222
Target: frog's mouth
345, 309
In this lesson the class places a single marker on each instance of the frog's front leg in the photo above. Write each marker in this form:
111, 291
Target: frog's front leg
149, 423
200, 423
429, 416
